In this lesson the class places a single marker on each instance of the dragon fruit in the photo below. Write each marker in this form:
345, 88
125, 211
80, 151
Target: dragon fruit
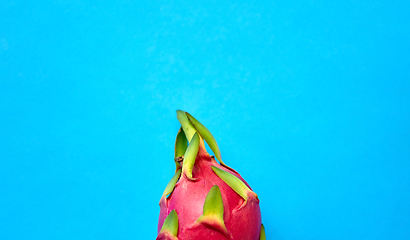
206, 200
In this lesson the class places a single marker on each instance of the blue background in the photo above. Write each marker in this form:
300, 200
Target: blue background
308, 100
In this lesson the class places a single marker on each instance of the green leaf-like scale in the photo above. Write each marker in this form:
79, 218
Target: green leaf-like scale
181, 144
213, 211
171, 184
213, 203
171, 223
235, 183
208, 137
187, 126
263, 236
190, 156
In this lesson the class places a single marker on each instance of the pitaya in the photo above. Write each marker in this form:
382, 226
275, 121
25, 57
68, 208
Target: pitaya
206, 200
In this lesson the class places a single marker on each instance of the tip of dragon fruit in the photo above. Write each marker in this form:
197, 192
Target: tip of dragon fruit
190, 125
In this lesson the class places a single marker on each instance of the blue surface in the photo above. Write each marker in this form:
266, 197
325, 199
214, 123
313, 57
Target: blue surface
308, 100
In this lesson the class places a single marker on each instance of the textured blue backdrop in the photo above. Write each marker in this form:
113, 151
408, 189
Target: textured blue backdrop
308, 100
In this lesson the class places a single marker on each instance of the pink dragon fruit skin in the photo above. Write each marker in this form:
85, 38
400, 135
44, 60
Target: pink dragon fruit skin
207, 200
